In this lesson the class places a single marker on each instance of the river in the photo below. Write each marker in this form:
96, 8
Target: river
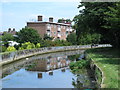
45, 71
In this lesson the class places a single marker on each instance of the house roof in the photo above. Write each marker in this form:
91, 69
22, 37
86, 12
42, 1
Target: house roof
64, 24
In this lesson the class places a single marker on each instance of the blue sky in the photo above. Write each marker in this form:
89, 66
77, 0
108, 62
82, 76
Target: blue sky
16, 14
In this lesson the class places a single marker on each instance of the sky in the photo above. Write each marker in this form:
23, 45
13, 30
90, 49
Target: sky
15, 14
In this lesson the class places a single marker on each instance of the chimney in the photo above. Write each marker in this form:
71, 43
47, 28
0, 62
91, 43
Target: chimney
9, 30
63, 21
39, 18
13, 29
51, 19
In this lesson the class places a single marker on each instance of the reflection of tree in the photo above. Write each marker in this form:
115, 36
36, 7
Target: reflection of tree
73, 57
77, 84
82, 80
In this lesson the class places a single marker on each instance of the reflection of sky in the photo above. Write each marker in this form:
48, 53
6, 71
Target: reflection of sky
25, 79
16, 14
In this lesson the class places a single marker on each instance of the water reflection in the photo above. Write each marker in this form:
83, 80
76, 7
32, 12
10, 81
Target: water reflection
48, 64
45, 59
45, 71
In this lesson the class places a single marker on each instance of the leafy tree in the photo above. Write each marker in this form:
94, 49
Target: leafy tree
89, 39
72, 38
91, 20
28, 35
7, 37
113, 24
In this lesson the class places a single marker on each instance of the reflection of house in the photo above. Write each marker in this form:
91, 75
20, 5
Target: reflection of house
49, 64
41, 65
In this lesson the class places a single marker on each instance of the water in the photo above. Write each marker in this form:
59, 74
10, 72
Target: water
45, 71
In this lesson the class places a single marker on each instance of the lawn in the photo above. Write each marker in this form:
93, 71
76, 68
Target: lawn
108, 59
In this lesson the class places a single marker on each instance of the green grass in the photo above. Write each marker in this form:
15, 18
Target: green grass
108, 59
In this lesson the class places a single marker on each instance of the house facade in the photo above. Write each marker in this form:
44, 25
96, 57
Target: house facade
52, 29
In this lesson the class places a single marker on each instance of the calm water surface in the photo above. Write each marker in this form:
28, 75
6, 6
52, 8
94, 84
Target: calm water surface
45, 71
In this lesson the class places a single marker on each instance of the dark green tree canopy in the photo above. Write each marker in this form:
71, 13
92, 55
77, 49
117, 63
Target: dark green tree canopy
7, 37
72, 38
28, 35
101, 18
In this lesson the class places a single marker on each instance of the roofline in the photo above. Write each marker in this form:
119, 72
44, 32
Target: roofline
51, 23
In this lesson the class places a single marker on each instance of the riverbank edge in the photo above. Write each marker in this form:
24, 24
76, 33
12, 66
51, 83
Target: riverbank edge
10, 61
92, 65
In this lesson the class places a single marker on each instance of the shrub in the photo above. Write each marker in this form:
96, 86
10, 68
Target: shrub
38, 45
3, 48
21, 48
28, 45
11, 48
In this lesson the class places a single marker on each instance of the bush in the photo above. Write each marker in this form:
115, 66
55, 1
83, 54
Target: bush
21, 48
38, 45
11, 48
27, 45
3, 48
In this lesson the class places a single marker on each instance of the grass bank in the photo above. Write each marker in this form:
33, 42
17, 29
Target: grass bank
108, 59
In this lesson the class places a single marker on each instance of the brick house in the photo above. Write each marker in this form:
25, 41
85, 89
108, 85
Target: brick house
52, 29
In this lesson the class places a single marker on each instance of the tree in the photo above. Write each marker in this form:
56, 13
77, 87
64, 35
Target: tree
72, 38
7, 37
91, 20
113, 24
28, 35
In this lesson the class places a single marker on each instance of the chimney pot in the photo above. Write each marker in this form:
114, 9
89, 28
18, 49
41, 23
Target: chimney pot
13, 29
9, 29
51, 19
39, 18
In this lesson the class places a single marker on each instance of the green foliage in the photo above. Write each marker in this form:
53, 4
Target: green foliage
10, 48
108, 60
38, 45
7, 37
72, 38
75, 66
46, 37
28, 35
67, 20
3, 48
89, 39
27, 45
21, 48
91, 20
49, 43
113, 24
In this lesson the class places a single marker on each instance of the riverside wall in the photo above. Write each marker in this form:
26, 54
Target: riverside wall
9, 57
